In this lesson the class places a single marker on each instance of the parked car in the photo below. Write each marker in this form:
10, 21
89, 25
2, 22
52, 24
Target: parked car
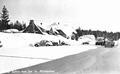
85, 43
49, 43
63, 43
105, 42
55, 43
100, 41
43, 43
109, 44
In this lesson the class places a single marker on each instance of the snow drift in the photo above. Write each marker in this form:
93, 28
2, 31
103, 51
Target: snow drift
97, 61
16, 51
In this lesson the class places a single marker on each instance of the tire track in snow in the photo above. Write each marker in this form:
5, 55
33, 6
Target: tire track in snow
25, 57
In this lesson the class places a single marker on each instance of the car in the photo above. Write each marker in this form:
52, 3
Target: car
43, 43
63, 43
109, 44
54, 43
85, 43
37, 44
100, 41
49, 43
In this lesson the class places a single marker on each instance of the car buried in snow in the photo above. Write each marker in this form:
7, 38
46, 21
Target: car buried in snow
43, 43
49, 43
100, 41
107, 43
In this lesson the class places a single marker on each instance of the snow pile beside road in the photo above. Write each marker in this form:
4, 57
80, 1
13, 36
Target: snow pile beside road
16, 52
16, 40
90, 39
25, 57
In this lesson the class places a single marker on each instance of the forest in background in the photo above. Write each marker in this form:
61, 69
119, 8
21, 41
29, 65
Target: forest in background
6, 24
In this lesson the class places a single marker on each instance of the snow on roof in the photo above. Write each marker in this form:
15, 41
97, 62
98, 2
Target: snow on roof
67, 29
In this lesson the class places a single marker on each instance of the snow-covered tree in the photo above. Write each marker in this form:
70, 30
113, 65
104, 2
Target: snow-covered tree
11, 25
18, 25
4, 19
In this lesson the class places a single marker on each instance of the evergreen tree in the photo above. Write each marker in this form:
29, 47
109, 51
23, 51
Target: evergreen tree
4, 19
11, 25
18, 25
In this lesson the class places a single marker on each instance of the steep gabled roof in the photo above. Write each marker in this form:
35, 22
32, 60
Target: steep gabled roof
32, 28
61, 33
42, 29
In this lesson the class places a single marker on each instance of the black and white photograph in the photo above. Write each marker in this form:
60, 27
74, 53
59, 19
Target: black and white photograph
59, 36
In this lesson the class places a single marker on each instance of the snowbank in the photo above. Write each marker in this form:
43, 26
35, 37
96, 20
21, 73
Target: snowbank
97, 61
11, 31
87, 38
19, 58
16, 40
16, 52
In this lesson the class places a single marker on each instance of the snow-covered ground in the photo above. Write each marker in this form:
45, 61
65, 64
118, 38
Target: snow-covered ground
16, 51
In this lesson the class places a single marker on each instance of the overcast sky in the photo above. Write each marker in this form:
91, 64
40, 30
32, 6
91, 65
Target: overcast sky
89, 14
